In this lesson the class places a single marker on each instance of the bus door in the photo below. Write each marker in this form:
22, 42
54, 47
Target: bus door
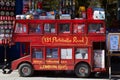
24, 49
99, 54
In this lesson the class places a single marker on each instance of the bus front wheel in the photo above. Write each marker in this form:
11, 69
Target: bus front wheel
25, 70
82, 70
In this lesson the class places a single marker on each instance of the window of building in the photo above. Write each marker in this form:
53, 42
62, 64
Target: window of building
95, 28
66, 53
37, 53
78, 28
52, 52
81, 53
20, 28
35, 28
64, 28
49, 28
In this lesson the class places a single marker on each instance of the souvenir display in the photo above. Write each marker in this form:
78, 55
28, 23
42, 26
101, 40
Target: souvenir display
95, 11
50, 9
26, 6
68, 7
7, 17
99, 14
7, 8
76, 42
113, 42
82, 12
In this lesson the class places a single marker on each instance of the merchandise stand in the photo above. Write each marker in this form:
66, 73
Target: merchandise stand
57, 38
113, 47
111, 74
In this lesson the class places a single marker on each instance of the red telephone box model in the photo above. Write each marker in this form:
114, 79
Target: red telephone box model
77, 45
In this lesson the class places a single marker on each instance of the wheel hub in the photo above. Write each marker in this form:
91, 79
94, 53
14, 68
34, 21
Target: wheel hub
82, 70
25, 70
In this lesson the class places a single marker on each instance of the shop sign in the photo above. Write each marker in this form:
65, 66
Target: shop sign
65, 40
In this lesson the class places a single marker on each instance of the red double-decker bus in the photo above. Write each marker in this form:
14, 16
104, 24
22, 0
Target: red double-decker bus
60, 45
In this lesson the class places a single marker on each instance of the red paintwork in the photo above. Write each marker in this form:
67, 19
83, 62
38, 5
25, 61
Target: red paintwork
56, 40
15, 63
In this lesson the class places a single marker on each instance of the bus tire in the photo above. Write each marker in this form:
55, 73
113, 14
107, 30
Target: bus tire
82, 70
25, 70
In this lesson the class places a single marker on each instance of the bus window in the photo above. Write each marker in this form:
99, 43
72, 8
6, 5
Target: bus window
37, 53
81, 53
49, 28
52, 52
66, 53
64, 28
95, 28
78, 28
20, 28
35, 28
